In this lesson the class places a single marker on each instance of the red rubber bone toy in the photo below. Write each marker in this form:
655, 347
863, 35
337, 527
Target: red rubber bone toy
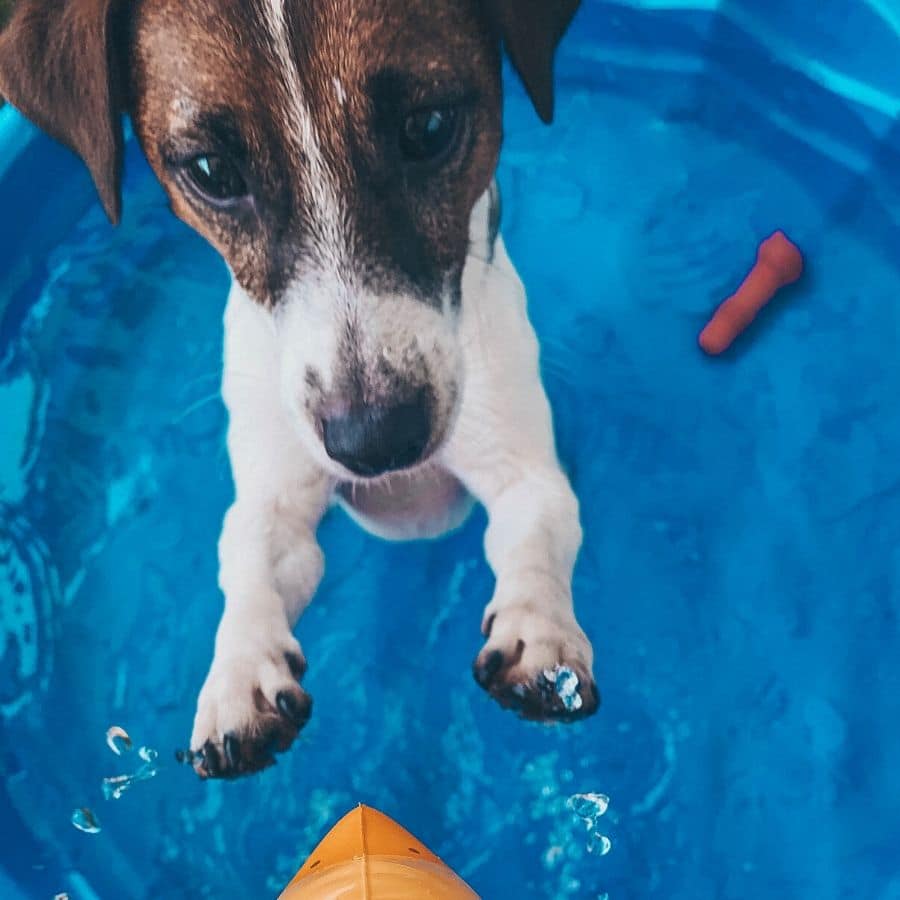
778, 264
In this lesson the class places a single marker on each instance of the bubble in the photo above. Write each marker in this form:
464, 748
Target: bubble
552, 855
62, 896
117, 740
588, 806
116, 785
599, 844
85, 820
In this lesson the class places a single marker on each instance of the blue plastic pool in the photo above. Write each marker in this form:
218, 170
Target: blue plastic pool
741, 571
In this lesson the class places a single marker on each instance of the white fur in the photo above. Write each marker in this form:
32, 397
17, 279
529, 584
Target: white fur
319, 307
339, 91
328, 220
500, 447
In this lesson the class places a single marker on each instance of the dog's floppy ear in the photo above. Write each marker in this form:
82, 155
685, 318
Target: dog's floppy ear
58, 66
531, 31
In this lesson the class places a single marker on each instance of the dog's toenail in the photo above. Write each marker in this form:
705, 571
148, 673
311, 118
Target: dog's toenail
232, 750
297, 664
293, 708
485, 672
211, 761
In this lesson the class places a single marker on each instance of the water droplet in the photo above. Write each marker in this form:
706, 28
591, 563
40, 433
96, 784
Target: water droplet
588, 806
566, 682
115, 785
148, 754
62, 896
552, 855
599, 844
85, 820
117, 740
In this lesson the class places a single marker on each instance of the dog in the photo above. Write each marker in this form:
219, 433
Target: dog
340, 155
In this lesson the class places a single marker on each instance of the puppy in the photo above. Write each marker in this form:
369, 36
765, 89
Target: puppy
340, 154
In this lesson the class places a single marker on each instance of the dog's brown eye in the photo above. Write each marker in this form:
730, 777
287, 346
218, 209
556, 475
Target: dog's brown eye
216, 178
429, 134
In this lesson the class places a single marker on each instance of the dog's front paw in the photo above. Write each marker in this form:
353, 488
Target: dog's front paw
537, 664
250, 708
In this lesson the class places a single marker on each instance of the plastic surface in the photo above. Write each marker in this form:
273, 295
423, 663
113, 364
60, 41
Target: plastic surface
368, 856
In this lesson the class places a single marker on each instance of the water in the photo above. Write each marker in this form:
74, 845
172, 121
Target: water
742, 516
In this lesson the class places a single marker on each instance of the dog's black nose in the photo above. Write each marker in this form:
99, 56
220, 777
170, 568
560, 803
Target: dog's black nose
371, 440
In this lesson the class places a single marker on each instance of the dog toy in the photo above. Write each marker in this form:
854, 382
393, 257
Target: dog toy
778, 264
369, 855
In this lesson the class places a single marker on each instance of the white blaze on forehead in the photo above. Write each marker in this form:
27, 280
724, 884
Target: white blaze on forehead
339, 91
328, 218
311, 321
183, 105
183, 111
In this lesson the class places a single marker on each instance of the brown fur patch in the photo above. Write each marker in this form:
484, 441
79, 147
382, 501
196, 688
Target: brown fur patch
360, 66
196, 73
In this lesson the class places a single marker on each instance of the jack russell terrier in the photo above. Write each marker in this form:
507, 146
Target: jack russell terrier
340, 155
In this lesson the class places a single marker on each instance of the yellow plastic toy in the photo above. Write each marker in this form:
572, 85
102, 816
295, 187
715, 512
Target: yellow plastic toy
368, 856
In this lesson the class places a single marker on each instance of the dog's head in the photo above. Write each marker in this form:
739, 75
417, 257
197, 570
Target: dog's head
331, 150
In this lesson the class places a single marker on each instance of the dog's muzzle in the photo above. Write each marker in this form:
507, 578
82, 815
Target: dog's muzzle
372, 440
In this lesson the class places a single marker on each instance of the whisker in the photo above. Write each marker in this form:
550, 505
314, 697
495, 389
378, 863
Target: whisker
197, 404
238, 374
